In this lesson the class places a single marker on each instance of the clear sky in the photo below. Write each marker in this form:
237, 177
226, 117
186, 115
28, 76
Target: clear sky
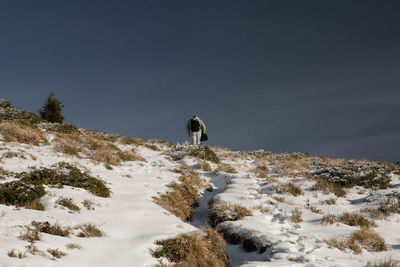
321, 77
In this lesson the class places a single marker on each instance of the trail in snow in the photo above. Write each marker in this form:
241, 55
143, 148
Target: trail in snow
237, 255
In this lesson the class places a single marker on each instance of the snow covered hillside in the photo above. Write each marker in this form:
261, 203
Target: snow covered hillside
73, 197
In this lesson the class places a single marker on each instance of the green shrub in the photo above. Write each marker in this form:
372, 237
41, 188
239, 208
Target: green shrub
22, 194
65, 174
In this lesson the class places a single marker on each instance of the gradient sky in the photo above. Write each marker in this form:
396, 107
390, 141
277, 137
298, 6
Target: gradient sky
321, 77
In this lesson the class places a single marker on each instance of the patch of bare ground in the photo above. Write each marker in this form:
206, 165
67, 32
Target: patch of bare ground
206, 248
183, 197
364, 238
221, 212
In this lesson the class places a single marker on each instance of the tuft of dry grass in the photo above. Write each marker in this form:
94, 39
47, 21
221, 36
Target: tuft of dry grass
30, 234
21, 133
19, 254
291, 188
73, 246
225, 168
88, 204
385, 263
89, 230
199, 249
47, 228
205, 166
290, 164
56, 253
364, 238
68, 203
296, 216
94, 146
221, 212
329, 218
183, 197
279, 199
261, 171
329, 201
356, 219
328, 187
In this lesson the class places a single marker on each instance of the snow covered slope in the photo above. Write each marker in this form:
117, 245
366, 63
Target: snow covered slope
269, 205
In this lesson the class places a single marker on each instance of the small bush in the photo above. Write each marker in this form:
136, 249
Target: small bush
363, 238
30, 234
22, 194
290, 188
296, 216
68, 203
56, 253
204, 249
88, 204
73, 246
89, 230
225, 168
261, 171
65, 174
356, 219
328, 187
47, 228
221, 212
329, 218
329, 201
18, 254
389, 205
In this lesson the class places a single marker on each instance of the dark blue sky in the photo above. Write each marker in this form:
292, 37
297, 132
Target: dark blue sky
321, 77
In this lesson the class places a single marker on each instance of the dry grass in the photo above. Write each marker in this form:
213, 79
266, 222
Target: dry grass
279, 199
328, 219
225, 168
68, 203
385, 263
261, 171
329, 201
296, 216
88, 204
200, 249
291, 188
73, 246
21, 133
363, 238
290, 164
47, 228
315, 210
89, 230
328, 187
94, 146
19, 254
389, 205
183, 197
30, 234
356, 219
221, 212
56, 253
205, 166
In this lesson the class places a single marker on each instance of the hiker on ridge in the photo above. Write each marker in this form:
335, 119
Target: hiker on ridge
194, 128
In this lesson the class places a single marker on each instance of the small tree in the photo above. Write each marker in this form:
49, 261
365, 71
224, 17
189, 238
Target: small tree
51, 110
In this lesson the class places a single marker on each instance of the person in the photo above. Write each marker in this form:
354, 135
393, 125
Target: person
194, 128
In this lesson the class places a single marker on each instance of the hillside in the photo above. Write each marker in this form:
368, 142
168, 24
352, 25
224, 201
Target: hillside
74, 197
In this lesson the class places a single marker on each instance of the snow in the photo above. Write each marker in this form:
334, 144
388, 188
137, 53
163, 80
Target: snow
132, 221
